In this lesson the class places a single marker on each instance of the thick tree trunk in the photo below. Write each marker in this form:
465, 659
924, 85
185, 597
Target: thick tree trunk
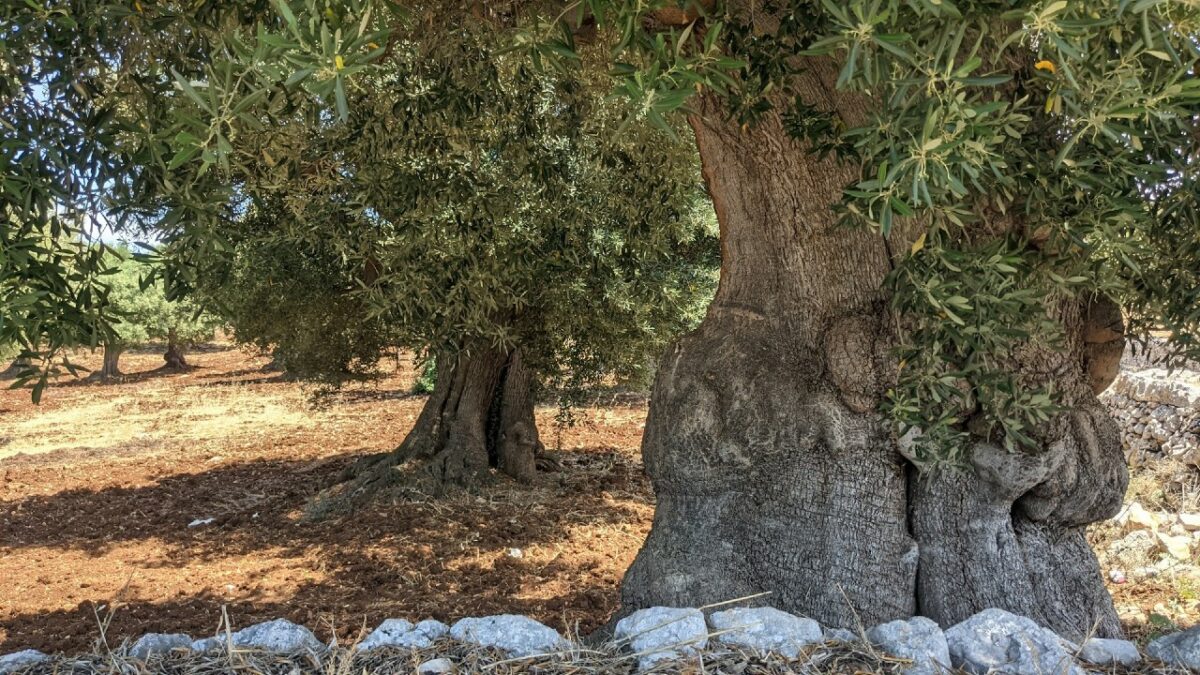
110, 367
479, 417
773, 470
174, 357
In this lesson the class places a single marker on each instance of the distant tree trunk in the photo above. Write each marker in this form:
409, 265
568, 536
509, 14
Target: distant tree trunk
110, 367
772, 469
18, 366
174, 355
479, 417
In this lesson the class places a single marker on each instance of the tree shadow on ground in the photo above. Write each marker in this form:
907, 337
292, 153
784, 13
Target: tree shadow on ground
555, 550
92, 378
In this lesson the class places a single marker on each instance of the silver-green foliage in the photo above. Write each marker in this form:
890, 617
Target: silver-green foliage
1037, 150
143, 314
454, 196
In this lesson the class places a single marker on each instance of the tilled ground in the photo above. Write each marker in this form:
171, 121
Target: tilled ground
99, 484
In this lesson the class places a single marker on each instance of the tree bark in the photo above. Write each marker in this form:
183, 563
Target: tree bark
174, 357
513, 442
774, 472
478, 418
110, 368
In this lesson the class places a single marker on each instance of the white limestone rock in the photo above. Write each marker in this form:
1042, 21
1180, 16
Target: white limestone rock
1181, 649
402, 634
515, 634
159, 643
281, 636
15, 661
663, 633
1107, 652
387, 634
996, 640
435, 667
765, 629
919, 639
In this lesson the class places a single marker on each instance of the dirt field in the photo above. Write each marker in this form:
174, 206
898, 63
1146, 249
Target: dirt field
99, 484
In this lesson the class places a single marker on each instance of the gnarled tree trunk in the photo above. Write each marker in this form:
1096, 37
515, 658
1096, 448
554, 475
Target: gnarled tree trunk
174, 357
773, 470
479, 417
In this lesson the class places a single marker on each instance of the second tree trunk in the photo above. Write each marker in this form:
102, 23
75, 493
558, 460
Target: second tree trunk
479, 417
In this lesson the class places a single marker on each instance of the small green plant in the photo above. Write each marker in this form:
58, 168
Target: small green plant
426, 377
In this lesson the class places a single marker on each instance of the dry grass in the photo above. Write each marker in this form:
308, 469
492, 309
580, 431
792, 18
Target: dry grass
828, 658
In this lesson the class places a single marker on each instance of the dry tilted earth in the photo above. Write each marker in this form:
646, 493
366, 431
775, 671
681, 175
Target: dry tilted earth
99, 484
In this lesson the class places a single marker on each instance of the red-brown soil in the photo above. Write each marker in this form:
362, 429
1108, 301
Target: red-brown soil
99, 483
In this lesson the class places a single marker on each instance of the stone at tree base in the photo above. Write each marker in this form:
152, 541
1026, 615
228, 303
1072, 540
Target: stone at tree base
159, 643
1106, 652
662, 633
515, 634
386, 634
996, 640
1181, 649
281, 636
17, 660
432, 629
205, 645
765, 629
402, 634
1136, 517
919, 639
435, 667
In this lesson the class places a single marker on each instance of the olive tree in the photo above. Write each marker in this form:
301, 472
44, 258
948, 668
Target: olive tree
470, 208
142, 314
933, 216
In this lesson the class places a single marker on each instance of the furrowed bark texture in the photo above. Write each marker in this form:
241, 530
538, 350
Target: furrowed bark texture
1009, 531
774, 472
479, 416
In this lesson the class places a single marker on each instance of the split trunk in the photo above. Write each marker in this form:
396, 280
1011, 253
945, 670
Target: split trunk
772, 469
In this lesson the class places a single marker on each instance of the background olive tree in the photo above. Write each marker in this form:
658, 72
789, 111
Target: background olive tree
516, 239
143, 315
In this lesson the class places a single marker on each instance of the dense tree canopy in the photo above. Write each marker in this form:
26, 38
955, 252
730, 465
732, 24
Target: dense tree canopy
1077, 119
519, 219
